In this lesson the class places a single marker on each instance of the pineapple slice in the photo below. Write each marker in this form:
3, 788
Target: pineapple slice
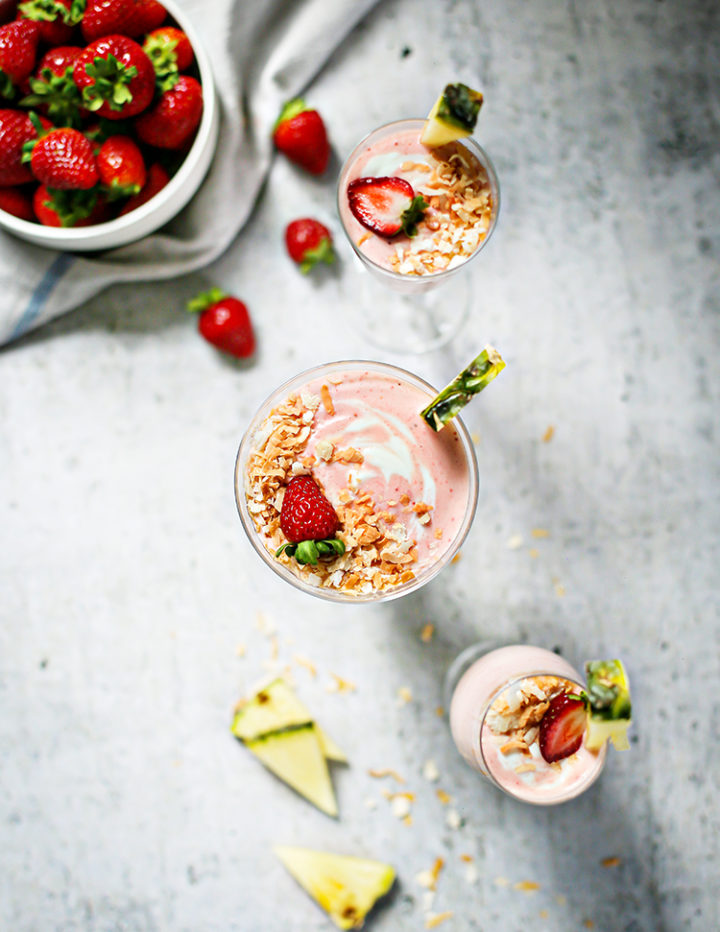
610, 707
296, 756
470, 382
453, 115
274, 708
346, 887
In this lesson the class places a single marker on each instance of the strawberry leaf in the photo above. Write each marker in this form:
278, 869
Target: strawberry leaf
413, 215
323, 252
206, 299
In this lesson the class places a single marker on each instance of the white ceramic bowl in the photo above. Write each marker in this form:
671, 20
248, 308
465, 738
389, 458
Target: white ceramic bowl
166, 203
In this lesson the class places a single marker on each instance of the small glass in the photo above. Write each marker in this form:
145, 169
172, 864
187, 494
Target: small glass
407, 313
478, 677
425, 393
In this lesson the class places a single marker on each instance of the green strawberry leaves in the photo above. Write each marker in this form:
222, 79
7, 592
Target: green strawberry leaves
110, 83
310, 551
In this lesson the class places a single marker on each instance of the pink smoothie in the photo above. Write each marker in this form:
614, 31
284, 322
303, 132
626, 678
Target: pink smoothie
540, 783
404, 462
398, 152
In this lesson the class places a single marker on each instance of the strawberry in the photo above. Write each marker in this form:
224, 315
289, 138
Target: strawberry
115, 77
53, 88
17, 202
121, 167
309, 522
170, 52
147, 15
175, 117
55, 19
62, 158
300, 133
224, 321
157, 178
309, 242
562, 727
16, 129
108, 17
18, 48
385, 205
55, 208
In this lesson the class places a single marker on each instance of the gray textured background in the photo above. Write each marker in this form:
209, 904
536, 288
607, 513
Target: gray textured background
127, 586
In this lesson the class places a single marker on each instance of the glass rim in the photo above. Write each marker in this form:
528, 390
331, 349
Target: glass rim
470, 143
326, 593
487, 773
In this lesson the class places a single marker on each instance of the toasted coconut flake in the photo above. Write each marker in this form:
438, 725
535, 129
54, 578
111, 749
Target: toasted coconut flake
400, 806
426, 635
611, 862
387, 772
327, 400
540, 532
304, 662
430, 771
404, 695
526, 886
515, 542
457, 558
549, 434
240, 650
433, 920
340, 685
452, 819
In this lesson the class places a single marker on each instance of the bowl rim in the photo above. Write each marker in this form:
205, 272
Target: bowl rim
78, 237
337, 595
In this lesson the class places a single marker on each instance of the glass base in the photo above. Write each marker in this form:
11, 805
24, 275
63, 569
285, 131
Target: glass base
420, 317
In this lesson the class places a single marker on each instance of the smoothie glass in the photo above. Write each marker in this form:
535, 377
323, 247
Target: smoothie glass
477, 678
410, 313
421, 390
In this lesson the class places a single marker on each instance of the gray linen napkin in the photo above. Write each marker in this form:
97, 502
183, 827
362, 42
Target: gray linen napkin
263, 52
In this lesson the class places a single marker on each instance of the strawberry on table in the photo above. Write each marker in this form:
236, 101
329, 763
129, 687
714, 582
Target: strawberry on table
386, 205
309, 522
16, 129
56, 19
309, 242
562, 727
115, 77
62, 158
225, 322
121, 167
157, 178
56, 208
18, 49
301, 135
17, 202
169, 49
170, 123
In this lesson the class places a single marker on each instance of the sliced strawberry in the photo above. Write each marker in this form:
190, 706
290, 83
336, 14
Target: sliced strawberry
386, 206
562, 727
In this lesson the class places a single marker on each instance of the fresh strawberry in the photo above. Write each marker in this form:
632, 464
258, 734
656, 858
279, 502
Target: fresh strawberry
17, 202
63, 159
18, 49
16, 129
224, 321
55, 208
115, 77
300, 133
108, 17
385, 205
157, 178
175, 117
309, 242
147, 15
170, 52
562, 727
56, 20
121, 167
309, 522
53, 90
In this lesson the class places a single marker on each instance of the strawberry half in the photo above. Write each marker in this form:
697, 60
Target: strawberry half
225, 322
309, 242
308, 520
386, 206
562, 727
301, 135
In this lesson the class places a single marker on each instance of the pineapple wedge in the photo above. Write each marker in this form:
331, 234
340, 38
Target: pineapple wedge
274, 708
295, 755
453, 115
463, 388
610, 707
345, 887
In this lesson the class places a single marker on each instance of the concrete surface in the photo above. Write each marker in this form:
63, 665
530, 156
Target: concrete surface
133, 613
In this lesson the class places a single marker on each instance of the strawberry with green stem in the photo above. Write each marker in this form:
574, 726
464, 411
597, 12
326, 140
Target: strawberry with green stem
224, 322
59, 208
121, 167
55, 19
16, 129
309, 522
171, 122
157, 178
61, 158
309, 242
115, 77
300, 134
53, 88
18, 50
170, 52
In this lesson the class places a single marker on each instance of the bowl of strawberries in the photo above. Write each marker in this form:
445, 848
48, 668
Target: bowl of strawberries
108, 119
